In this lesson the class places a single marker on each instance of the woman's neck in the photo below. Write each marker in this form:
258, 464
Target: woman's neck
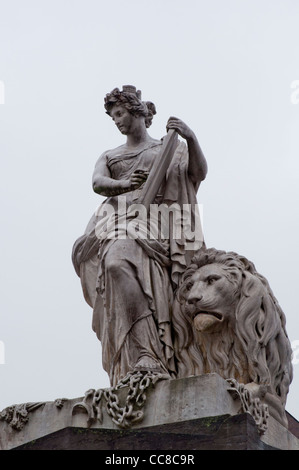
138, 136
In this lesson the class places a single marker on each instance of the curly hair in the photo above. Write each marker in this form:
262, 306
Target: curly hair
254, 347
131, 100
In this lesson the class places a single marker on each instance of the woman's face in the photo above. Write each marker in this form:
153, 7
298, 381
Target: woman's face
123, 119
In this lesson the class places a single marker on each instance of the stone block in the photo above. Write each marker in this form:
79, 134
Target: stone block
194, 413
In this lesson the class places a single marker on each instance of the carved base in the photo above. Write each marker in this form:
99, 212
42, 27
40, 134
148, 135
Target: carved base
223, 432
200, 412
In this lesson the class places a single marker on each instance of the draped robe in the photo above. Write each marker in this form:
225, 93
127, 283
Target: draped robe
129, 283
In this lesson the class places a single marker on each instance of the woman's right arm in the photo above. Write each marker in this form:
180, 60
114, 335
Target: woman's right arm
104, 185
102, 182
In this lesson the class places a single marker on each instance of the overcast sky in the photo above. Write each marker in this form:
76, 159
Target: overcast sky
225, 67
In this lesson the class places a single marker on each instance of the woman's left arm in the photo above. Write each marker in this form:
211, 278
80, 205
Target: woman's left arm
198, 167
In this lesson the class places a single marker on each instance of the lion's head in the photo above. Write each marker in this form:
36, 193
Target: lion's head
227, 320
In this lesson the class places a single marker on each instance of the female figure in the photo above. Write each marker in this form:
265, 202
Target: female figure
129, 282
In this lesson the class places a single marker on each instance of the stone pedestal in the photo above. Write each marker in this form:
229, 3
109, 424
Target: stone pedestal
195, 413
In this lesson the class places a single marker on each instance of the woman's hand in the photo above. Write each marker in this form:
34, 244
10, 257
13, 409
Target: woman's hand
138, 178
180, 127
197, 168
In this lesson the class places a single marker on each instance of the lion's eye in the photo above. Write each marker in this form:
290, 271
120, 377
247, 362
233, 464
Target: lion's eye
189, 286
212, 279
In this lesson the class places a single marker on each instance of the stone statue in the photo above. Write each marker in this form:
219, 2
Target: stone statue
129, 281
228, 321
163, 304
167, 307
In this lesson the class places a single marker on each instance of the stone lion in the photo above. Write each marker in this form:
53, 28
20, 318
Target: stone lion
227, 321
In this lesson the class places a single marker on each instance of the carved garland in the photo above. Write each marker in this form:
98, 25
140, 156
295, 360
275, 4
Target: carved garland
18, 415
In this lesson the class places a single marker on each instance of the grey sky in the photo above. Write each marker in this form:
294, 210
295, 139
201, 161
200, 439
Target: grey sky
226, 68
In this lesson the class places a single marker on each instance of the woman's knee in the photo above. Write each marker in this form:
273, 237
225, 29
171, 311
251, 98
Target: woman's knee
115, 266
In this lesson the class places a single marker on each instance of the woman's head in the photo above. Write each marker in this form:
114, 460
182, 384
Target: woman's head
130, 99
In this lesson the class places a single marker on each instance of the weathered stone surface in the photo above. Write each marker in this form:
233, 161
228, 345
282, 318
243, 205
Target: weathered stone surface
212, 433
193, 339
198, 410
293, 425
162, 302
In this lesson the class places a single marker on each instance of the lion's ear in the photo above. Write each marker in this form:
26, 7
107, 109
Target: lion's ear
234, 274
251, 285
250, 299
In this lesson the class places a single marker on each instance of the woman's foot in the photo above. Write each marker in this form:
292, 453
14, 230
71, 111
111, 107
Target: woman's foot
147, 363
